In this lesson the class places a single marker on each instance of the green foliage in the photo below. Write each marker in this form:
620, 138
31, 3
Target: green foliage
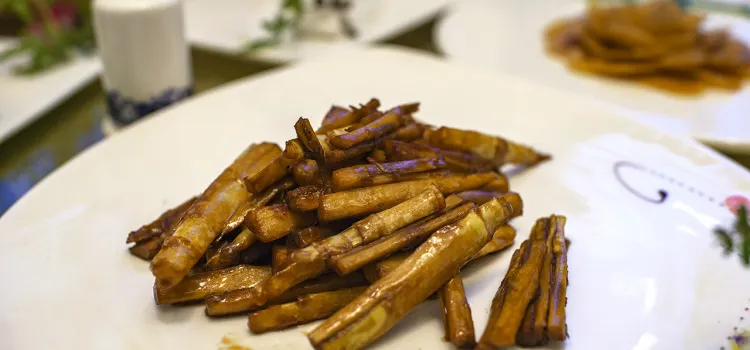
54, 45
737, 238
287, 18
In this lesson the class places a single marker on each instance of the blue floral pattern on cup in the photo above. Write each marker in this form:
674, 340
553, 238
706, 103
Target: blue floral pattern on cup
125, 110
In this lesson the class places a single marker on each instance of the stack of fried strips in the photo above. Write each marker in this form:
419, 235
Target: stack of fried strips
656, 43
529, 307
361, 220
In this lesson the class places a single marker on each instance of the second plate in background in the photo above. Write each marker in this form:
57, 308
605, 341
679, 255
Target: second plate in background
507, 36
226, 25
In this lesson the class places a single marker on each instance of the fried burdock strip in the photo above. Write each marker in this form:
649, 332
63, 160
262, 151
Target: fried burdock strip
479, 196
501, 239
457, 321
309, 235
498, 185
305, 309
232, 302
381, 173
390, 298
534, 324
310, 262
458, 161
229, 253
206, 218
307, 172
271, 170
200, 285
149, 238
275, 221
410, 132
279, 255
164, 223
373, 130
361, 201
257, 201
378, 155
410, 235
305, 198
334, 119
557, 329
515, 293
496, 149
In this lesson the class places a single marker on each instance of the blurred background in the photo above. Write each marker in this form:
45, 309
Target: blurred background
54, 103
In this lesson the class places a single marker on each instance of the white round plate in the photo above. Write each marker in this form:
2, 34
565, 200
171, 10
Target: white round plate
644, 273
227, 25
507, 36
25, 98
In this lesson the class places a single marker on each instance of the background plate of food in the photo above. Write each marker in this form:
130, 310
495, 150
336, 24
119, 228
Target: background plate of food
674, 80
230, 26
637, 206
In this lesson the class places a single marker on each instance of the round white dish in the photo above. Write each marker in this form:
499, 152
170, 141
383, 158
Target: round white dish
226, 25
644, 272
507, 36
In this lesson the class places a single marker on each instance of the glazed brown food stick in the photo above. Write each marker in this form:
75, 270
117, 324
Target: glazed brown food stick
557, 328
206, 218
515, 293
166, 221
380, 269
459, 161
479, 196
233, 301
305, 309
419, 231
309, 235
534, 324
272, 169
310, 262
498, 185
373, 130
275, 221
307, 172
335, 119
229, 253
367, 174
319, 146
334, 116
501, 239
358, 258
410, 132
339, 205
390, 298
279, 255
496, 149
149, 238
257, 201
200, 285
457, 321
305, 198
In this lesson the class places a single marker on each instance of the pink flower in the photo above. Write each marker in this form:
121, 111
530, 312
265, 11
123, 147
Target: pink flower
63, 14
735, 202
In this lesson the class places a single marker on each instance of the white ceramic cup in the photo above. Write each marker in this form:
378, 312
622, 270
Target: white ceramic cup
145, 56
